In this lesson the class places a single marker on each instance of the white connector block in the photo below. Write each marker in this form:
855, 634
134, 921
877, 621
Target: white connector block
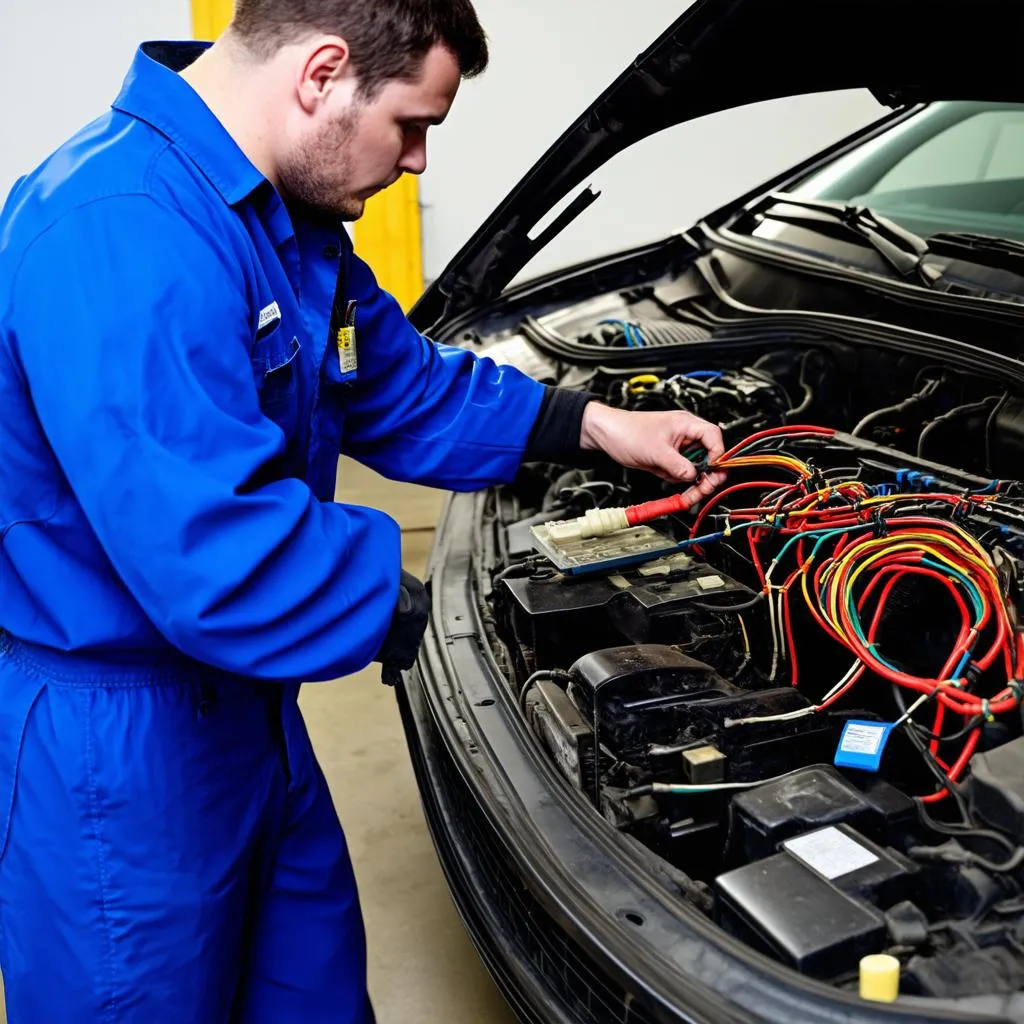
598, 522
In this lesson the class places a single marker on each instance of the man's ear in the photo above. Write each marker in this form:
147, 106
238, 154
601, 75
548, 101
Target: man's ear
327, 67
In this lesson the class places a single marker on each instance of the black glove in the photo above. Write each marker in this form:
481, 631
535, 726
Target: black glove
408, 624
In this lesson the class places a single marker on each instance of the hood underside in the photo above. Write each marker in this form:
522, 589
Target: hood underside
723, 54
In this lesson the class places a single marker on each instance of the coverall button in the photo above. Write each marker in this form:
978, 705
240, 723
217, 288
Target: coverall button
331, 252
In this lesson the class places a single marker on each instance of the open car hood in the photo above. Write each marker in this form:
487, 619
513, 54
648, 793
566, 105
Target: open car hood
722, 54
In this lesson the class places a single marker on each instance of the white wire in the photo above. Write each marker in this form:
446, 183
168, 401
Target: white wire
789, 716
668, 787
783, 653
842, 682
913, 707
775, 635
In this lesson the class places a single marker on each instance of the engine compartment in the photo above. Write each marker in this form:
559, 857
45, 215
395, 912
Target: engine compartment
806, 695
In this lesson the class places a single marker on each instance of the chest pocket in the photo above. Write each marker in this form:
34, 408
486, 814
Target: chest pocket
275, 366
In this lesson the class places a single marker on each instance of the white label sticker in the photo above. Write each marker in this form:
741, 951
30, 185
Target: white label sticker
269, 315
863, 739
830, 852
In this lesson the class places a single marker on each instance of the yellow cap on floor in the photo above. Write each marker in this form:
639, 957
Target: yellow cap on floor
879, 978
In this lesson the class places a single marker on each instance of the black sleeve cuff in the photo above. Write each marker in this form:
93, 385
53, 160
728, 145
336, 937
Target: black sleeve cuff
556, 431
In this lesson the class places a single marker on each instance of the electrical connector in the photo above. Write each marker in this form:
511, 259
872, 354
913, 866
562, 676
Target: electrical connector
598, 522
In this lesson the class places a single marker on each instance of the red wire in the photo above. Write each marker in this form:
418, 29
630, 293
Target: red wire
788, 625
955, 771
695, 530
787, 430
757, 560
913, 682
965, 754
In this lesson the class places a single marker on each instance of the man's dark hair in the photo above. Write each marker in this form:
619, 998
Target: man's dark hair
388, 39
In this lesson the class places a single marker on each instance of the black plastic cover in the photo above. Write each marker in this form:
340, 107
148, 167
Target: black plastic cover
649, 695
558, 617
763, 817
964, 972
996, 788
562, 730
782, 908
817, 905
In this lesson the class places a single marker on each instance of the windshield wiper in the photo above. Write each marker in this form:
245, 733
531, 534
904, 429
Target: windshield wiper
904, 251
990, 250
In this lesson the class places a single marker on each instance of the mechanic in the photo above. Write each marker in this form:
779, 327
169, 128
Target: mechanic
173, 563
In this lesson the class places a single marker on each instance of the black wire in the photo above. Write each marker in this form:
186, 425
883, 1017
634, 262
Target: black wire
968, 857
946, 417
925, 733
907, 403
808, 398
925, 753
951, 829
988, 431
544, 673
745, 606
519, 570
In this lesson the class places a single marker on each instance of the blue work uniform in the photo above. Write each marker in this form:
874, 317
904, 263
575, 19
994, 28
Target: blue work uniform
173, 564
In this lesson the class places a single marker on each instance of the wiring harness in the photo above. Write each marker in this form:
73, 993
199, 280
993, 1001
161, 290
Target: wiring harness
845, 547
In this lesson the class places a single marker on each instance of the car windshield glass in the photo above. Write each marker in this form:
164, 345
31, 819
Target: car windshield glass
954, 167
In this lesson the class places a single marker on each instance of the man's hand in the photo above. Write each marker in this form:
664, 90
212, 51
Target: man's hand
408, 624
652, 441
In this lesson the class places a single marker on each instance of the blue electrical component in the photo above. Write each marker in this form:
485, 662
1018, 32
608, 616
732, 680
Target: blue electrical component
862, 745
914, 480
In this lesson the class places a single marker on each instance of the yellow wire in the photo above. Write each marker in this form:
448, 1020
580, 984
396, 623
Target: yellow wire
746, 637
926, 542
795, 465
959, 531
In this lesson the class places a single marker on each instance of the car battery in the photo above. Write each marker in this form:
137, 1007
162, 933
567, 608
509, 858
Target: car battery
818, 904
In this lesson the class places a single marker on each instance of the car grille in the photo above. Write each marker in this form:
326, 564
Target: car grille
583, 990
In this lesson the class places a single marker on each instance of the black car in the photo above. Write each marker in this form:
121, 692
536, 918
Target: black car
697, 766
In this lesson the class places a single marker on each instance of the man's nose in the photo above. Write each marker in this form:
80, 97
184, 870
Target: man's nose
414, 159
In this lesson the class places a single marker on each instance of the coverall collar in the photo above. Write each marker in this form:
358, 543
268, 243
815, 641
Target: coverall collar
154, 92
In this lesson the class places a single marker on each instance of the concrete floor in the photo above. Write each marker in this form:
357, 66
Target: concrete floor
423, 968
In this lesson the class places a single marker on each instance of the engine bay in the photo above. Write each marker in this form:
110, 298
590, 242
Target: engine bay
805, 695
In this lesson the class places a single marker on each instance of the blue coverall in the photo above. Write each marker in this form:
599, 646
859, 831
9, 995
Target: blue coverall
173, 566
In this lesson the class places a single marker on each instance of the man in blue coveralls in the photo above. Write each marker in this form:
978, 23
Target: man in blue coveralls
172, 563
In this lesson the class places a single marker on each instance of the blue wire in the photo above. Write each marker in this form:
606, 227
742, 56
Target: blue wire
969, 586
633, 333
634, 339
963, 663
711, 537
700, 374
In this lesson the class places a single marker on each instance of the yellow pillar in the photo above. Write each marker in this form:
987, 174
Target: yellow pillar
209, 17
388, 236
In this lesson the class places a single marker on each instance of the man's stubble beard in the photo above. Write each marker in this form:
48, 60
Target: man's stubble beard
316, 176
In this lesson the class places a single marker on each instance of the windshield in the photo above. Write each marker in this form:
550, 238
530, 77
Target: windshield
952, 167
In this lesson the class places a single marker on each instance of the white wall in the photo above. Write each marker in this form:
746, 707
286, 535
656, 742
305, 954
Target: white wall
62, 63
550, 58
